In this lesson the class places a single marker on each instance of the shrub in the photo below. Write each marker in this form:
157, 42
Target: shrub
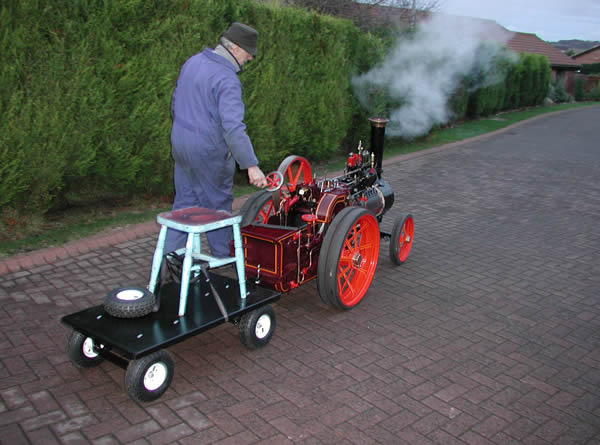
590, 68
579, 88
595, 93
558, 93
544, 73
492, 80
486, 101
527, 86
459, 102
513, 87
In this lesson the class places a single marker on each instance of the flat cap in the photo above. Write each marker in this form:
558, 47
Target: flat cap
243, 36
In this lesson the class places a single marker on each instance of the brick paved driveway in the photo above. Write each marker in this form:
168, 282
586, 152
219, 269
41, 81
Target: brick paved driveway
489, 334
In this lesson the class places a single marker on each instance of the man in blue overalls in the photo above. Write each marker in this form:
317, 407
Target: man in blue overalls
208, 135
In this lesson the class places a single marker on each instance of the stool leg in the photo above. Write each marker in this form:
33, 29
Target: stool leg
157, 260
185, 274
196, 251
239, 259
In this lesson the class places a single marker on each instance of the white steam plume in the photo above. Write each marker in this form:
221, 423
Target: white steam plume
423, 71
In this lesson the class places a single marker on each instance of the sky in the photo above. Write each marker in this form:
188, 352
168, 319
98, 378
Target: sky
550, 20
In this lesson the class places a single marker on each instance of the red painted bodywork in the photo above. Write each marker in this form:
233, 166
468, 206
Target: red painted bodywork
283, 253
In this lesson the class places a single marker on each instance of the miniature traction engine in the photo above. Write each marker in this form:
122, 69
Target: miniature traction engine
303, 228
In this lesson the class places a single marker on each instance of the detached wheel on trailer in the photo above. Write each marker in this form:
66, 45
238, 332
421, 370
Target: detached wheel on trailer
257, 327
81, 351
348, 258
147, 378
129, 302
402, 238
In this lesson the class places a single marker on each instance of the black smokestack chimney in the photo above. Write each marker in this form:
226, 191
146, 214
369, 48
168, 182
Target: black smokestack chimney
377, 134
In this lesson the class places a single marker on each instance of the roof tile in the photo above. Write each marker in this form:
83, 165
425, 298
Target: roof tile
530, 43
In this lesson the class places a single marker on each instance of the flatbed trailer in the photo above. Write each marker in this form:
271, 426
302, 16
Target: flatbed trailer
138, 345
135, 337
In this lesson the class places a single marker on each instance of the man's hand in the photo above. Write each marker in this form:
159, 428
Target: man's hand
257, 177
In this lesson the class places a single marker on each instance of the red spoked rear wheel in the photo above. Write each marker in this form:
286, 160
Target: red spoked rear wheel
402, 238
296, 170
258, 208
348, 257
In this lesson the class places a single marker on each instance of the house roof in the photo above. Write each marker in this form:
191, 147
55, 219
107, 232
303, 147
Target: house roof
530, 43
489, 29
585, 51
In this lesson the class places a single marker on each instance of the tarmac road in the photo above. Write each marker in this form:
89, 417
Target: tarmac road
488, 334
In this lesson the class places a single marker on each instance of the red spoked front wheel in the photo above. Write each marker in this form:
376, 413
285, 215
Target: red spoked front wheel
402, 238
296, 170
348, 257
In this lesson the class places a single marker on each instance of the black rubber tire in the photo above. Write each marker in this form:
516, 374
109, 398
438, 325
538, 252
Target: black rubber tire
80, 351
395, 256
147, 378
329, 257
254, 330
253, 205
118, 307
325, 250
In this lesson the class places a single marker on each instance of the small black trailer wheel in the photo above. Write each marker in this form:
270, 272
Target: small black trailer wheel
129, 302
257, 327
402, 238
81, 351
147, 378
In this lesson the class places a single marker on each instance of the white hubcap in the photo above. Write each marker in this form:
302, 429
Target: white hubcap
263, 326
130, 294
88, 348
155, 376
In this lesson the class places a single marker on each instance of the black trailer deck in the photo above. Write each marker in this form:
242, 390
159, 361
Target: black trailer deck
132, 338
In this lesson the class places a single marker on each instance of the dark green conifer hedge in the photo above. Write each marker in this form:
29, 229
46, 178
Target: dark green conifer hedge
86, 89
524, 83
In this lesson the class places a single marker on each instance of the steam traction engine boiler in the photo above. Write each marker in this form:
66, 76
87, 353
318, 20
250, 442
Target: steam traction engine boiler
303, 228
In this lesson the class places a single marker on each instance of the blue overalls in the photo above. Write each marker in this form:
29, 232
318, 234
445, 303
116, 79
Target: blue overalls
207, 137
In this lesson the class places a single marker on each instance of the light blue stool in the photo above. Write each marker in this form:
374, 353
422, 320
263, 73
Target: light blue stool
195, 221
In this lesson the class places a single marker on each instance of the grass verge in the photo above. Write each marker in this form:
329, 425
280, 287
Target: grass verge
84, 222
